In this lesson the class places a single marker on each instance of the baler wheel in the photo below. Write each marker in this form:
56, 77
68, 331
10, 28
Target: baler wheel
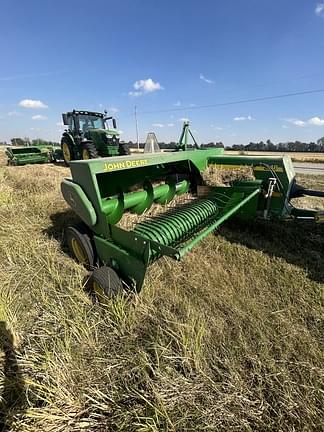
67, 150
80, 245
105, 282
89, 151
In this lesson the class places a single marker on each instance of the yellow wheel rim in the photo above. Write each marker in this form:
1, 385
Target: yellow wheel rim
85, 154
78, 251
97, 288
66, 152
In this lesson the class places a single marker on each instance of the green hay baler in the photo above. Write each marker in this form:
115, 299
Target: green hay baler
33, 154
102, 190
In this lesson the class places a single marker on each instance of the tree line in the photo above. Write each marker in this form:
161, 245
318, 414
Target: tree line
289, 146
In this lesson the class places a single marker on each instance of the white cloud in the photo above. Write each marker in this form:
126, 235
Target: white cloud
296, 122
203, 78
242, 118
300, 123
39, 117
31, 103
316, 121
177, 104
183, 119
319, 10
216, 127
159, 125
145, 86
170, 124
285, 127
14, 114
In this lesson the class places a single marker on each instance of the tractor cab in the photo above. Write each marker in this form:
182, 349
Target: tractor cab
90, 135
82, 121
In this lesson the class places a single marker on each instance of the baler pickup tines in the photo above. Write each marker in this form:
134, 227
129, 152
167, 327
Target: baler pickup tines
177, 231
179, 224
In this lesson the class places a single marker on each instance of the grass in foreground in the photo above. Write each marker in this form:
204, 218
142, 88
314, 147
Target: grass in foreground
231, 338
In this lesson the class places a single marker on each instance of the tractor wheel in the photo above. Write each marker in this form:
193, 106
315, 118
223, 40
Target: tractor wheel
67, 150
80, 245
89, 151
105, 282
123, 150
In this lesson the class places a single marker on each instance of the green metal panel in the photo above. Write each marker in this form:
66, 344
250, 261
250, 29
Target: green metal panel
101, 179
130, 268
76, 198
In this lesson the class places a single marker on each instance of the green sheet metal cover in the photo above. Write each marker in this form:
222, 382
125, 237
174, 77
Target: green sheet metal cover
79, 202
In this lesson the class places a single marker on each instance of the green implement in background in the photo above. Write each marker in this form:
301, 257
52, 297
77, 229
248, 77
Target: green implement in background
33, 154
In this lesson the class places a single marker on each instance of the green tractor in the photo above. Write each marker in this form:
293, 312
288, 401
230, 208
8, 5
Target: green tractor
89, 136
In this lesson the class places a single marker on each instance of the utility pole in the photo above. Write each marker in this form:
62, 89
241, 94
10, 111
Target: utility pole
136, 123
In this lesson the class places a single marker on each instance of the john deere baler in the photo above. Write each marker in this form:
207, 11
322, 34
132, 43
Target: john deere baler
101, 191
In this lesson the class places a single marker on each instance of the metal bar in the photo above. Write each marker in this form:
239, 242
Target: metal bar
313, 193
203, 234
132, 199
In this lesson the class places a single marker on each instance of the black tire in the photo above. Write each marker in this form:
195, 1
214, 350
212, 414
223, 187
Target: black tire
89, 151
67, 147
105, 282
123, 150
80, 245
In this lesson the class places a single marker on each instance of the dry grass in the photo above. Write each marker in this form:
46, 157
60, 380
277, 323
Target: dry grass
223, 177
231, 338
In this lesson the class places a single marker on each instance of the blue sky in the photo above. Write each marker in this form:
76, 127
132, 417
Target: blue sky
164, 55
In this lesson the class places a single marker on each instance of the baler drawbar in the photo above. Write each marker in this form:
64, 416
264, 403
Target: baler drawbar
102, 190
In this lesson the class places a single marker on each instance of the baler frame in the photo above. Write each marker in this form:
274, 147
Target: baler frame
103, 189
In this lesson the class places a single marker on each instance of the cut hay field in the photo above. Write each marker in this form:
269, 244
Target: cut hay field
229, 339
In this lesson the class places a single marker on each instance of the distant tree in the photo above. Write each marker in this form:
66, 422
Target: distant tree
270, 145
320, 144
17, 141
